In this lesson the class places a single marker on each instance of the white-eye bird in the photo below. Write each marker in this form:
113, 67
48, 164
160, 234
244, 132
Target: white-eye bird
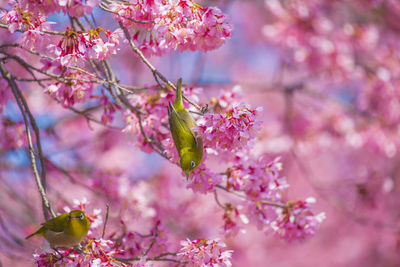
188, 145
65, 230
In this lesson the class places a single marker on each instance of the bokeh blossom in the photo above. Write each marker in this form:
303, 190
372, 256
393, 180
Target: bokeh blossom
297, 221
12, 135
203, 252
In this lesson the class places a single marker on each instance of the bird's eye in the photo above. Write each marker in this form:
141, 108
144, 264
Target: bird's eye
192, 164
81, 217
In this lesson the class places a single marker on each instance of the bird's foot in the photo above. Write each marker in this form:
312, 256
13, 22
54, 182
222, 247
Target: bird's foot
204, 109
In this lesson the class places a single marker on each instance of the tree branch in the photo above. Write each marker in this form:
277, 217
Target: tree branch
155, 72
23, 106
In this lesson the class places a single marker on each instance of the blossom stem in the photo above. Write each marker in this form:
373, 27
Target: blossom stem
264, 202
105, 221
155, 72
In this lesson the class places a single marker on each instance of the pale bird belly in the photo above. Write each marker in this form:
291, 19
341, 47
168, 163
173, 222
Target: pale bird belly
60, 239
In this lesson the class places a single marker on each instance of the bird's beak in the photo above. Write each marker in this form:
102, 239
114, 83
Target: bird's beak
187, 175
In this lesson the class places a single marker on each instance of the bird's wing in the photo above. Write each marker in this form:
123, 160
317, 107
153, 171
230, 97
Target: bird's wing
185, 116
181, 133
56, 224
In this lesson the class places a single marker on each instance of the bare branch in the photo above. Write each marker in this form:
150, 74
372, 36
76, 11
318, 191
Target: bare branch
40, 180
18, 30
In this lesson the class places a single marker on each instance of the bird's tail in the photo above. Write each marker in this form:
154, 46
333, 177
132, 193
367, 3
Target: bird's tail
38, 232
29, 236
178, 104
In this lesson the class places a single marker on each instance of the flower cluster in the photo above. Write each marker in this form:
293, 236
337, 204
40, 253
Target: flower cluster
169, 25
185, 25
75, 46
203, 180
109, 108
230, 131
139, 13
74, 8
76, 87
5, 93
19, 19
226, 99
151, 245
231, 218
203, 252
98, 252
259, 178
297, 221
263, 188
380, 97
12, 135
32, 24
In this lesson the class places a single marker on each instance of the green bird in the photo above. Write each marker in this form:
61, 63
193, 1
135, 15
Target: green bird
65, 230
188, 145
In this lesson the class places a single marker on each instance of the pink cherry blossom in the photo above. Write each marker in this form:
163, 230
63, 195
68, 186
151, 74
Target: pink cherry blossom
5, 93
297, 222
232, 217
19, 19
74, 8
13, 135
76, 89
98, 252
203, 252
230, 131
260, 179
172, 25
226, 99
203, 180
95, 44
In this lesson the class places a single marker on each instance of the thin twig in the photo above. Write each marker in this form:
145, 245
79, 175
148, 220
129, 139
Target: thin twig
265, 202
123, 101
105, 221
217, 200
88, 22
152, 242
155, 72
18, 30
90, 118
157, 258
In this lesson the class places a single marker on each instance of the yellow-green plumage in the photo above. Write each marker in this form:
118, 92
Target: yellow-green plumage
188, 145
65, 230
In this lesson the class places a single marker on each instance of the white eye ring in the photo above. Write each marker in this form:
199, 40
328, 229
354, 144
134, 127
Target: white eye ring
81, 216
192, 164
